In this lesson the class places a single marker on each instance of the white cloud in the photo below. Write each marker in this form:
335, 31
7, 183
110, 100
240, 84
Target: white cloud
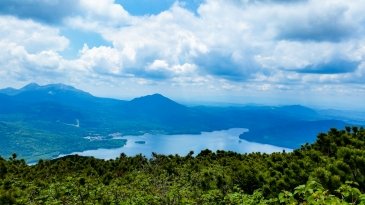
105, 10
34, 37
29, 49
226, 45
158, 64
99, 15
238, 41
102, 60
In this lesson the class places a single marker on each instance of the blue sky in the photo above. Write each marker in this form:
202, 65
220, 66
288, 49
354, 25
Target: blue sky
232, 51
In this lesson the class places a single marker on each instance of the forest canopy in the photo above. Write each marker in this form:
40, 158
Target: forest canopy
329, 171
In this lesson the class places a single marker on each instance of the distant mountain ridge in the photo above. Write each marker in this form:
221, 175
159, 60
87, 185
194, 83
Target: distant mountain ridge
35, 87
41, 119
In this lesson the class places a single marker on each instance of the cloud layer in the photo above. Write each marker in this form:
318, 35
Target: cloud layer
224, 46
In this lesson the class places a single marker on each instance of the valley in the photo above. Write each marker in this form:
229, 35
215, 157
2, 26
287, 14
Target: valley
42, 122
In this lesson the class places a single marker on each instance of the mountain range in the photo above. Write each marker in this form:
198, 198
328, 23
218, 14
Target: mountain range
44, 121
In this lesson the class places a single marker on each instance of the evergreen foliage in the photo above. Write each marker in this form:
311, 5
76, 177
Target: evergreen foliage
330, 171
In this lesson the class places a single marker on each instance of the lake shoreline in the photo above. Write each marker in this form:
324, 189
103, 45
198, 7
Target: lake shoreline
182, 144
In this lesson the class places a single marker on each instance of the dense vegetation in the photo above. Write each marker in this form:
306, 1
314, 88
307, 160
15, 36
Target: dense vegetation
330, 171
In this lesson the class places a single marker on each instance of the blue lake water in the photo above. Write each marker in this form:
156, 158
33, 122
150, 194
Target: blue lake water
182, 144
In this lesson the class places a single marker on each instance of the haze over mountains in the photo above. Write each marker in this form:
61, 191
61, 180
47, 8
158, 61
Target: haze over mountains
44, 121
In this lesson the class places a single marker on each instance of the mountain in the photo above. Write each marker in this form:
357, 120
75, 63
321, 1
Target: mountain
35, 86
155, 105
159, 110
155, 101
41, 121
9, 91
60, 93
291, 133
350, 116
297, 111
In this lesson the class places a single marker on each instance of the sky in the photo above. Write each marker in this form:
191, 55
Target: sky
273, 52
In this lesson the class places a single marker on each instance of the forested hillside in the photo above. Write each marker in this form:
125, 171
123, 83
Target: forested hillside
42, 122
330, 171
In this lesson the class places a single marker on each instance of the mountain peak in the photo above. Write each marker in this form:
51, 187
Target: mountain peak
154, 97
57, 87
9, 91
13, 91
60, 86
155, 100
30, 86
42, 91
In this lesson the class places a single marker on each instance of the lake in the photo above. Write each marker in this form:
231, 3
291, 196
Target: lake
182, 144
